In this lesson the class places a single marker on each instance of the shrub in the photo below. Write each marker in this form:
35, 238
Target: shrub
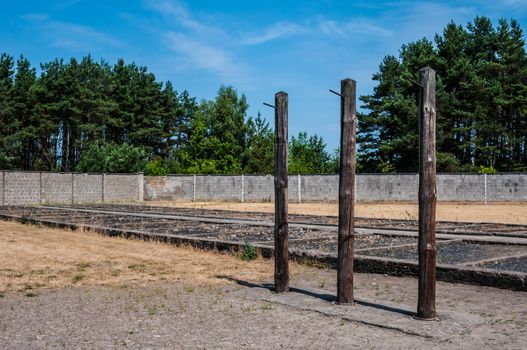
487, 169
113, 158
249, 252
156, 167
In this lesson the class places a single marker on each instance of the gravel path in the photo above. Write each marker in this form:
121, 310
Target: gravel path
176, 315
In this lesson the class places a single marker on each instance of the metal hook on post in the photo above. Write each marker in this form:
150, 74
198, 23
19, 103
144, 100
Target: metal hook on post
269, 105
336, 93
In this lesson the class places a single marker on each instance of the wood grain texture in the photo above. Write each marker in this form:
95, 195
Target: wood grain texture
281, 266
346, 191
427, 195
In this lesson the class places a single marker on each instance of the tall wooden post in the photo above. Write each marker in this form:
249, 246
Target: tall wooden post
346, 191
281, 251
427, 195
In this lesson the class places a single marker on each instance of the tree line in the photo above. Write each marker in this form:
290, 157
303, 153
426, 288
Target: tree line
481, 102
91, 116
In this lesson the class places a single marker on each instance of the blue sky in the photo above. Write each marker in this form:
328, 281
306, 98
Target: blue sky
258, 47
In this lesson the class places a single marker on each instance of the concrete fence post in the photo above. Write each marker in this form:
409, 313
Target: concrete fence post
194, 189
102, 187
3, 187
243, 187
72, 188
355, 189
299, 189
40, 190
140, 187
485, 187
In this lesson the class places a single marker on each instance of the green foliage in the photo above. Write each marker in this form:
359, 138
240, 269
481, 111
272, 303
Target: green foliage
113, 158
259, 153
487, 170
481, 101
447, 162
249, 252
307, 155
156, 167
97, 117
385, 167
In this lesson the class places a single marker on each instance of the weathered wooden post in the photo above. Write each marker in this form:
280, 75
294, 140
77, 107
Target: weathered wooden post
346, 191
427, 195
281, 251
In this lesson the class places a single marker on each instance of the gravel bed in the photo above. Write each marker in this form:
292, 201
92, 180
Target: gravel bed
329, 244
453, 252
514, 264
388, 224
264, 234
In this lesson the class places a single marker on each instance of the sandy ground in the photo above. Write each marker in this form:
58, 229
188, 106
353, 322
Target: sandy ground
34, 258
511, 213
64, 289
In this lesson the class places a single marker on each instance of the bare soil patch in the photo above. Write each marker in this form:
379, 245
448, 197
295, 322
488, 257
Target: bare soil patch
33, 258
511, 213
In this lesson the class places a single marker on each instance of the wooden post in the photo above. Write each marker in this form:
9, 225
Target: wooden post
346, 191
427, 195
281, 251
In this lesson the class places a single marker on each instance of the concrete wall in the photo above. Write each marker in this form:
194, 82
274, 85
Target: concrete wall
369, 187
88, 188
122, 187
259, 188
39, 187
21, 187
56, 188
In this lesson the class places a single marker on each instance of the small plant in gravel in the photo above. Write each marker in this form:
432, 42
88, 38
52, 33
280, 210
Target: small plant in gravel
26, 220
77, 278
249, 252
266, 307
31, 295
249, 308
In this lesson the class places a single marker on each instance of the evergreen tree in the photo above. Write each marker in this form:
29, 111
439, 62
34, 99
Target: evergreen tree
480, 93
259, 155
8, 123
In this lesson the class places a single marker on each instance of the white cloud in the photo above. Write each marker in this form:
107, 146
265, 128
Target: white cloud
283, 29
182, 17
276, 31
61, 34
354, 26
199, 55
35, 17
331, 28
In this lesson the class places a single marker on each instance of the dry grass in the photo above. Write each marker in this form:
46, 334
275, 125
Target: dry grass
512, 213
33, 258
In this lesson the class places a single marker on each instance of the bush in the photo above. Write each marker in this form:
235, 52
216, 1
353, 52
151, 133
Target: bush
156, 167
249, 252
113, 158
487, 169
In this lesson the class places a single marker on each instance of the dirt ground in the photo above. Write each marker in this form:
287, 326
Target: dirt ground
68, 289
509, 213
